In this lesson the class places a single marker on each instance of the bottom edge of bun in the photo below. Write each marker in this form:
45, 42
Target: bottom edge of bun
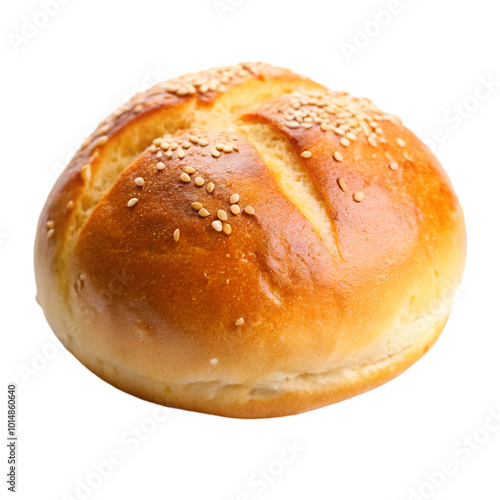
305, 392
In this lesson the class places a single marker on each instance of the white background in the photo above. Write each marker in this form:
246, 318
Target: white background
424, 65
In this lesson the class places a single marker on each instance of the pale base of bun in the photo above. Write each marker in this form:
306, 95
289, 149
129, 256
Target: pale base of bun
288, 395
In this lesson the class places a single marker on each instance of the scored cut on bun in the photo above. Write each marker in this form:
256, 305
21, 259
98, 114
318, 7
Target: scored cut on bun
245, 242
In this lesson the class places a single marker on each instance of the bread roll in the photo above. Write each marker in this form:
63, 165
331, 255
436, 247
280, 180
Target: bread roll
245, 242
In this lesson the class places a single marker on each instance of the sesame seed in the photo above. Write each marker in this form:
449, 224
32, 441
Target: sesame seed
78, 285
105, 128
345, 142
210, 187
102, 140
351, 115
139, 181
228, 148
86, 172
189, 170
214, 361
217, 225
372, 140
400, 142
185, 177
235, 209
221, 214
239, 321
160, 165
177, 235
204, 212
235, 198
186, 144
338, 156
157, 141
359, 196
132, 202
203, 142
120, 111
138, 108
70, 204
199, 181
215, 153
219, 147
226, 228
168, 154
342, 184
394, 165
180, 152
306, 154
196, 205
182, 91
249, 210
164, 145
159, 154
292, 124
50, 224
50, 233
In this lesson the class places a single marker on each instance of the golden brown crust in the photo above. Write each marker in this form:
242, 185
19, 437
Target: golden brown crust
343, 256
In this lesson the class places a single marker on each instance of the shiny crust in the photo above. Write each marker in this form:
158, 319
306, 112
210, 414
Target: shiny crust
328, 313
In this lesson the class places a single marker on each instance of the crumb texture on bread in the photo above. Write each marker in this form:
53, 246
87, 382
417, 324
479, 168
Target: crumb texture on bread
245, 242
